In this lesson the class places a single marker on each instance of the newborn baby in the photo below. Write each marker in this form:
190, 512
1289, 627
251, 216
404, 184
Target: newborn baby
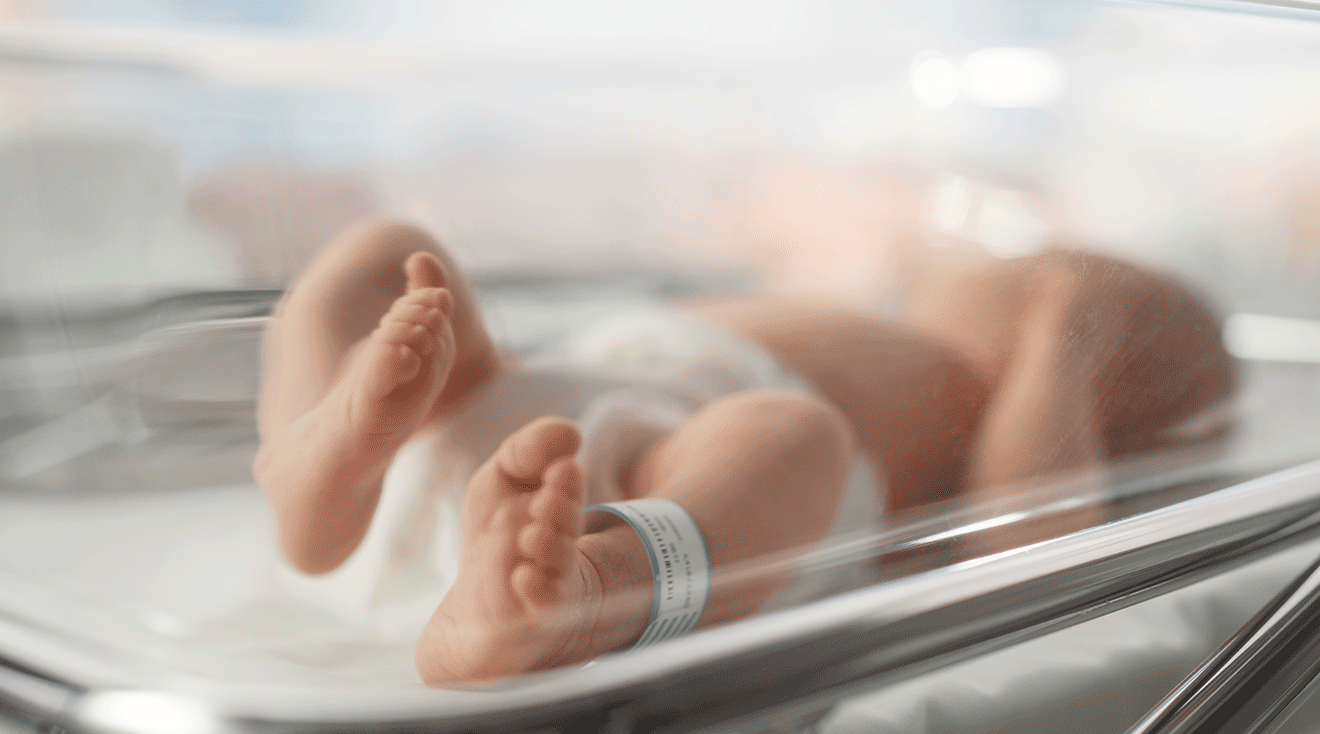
1035, 367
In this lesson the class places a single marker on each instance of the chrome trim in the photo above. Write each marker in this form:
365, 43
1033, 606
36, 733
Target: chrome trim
1298, 706
1299, 4
1249, 684
35, 699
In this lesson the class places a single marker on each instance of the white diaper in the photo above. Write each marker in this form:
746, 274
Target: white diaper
626, 381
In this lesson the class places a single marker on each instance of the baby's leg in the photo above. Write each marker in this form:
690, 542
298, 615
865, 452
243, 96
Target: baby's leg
379, 335
760, 472
913, 400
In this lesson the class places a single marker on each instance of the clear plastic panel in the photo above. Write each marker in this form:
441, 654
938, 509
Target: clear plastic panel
1052, 266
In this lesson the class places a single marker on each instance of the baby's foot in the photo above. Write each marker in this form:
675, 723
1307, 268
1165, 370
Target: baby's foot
323, 473
526, 597
399, 370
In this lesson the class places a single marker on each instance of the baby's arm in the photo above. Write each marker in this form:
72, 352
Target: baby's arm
1040, 439
1107, 358
1042, 422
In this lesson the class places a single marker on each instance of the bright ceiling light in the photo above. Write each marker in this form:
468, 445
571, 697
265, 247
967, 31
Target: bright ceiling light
934, 80
1012, 77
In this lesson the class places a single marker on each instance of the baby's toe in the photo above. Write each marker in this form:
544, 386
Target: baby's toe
436, 320
427, 297
413, 313
423, 271
396, 332
526, 454
559, 502
541, 543
406, 365
422, 339
533, 586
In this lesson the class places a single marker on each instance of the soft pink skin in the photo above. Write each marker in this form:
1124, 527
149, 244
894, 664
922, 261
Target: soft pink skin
326, 465
528, 596
382, 335
760, 471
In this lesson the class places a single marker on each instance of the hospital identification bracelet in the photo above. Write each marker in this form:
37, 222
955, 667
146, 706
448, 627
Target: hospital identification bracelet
680, 564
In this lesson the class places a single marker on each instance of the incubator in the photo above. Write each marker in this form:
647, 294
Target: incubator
166, 173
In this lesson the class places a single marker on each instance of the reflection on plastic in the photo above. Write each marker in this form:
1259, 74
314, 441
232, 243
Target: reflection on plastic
1272, 338
993, 77
1008, 223
1011, 77
934, 80
143, 712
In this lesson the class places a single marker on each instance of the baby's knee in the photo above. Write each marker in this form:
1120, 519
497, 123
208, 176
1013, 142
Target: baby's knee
386, 231
368, 247
802, 425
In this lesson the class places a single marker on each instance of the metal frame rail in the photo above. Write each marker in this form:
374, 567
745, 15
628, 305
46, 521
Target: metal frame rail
1249, 684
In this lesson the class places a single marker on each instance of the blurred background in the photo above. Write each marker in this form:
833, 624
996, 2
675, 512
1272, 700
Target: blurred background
153, 146
168, 162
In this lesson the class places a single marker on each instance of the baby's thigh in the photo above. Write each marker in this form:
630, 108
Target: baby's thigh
777, 448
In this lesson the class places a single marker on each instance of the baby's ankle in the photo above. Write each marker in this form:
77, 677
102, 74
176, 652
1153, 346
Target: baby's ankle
619, 586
